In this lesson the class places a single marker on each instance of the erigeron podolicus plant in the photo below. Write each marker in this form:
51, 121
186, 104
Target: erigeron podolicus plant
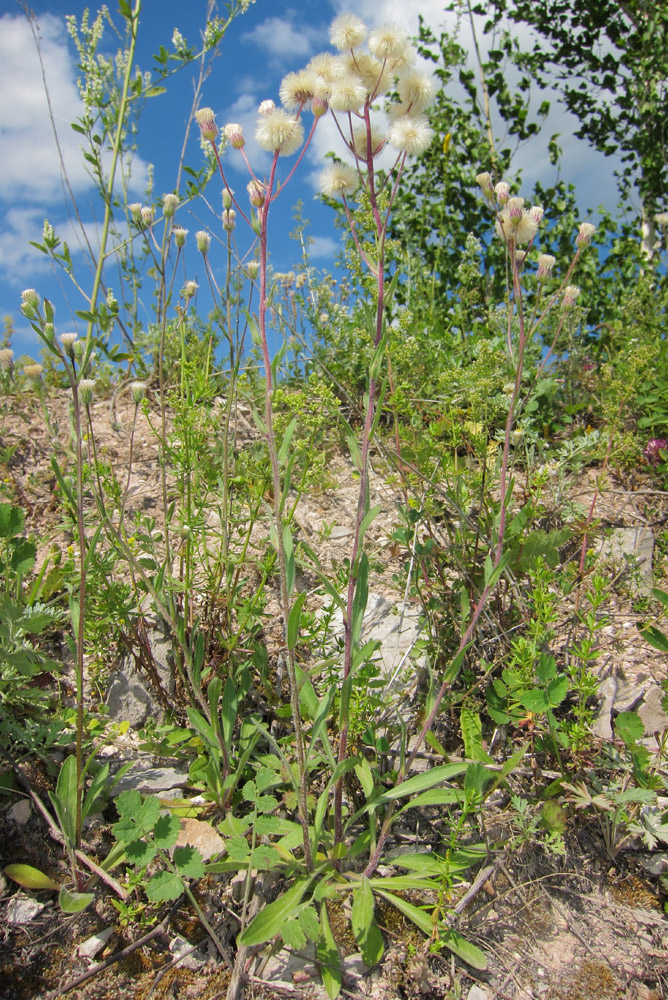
347, 85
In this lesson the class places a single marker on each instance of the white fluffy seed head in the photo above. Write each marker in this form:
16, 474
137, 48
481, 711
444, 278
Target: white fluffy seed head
360, 142
516, 229
371, 71
347, 32
388, 42
410, 134
297, 89
338, 179
348, 94
416, 89
279, 131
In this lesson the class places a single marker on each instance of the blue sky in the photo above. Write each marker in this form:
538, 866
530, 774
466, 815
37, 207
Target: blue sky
269, 40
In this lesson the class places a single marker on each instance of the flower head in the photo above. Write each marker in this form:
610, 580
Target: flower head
571, 293
338, 179
484, 180
373, 73
347, 32
33, 371
190, 289
234, 135
67, 340
545, 264
206, 120
279, 132
229, 216
29, 301
147, 215
410, 134
653, 449
516, 225
537, 212
585, 233
6, 358
360, 142
253, 266
135, 212
266, 107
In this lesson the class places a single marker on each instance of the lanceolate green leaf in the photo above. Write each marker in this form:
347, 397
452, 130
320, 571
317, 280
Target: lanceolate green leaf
267, 924
328, 956
457, 944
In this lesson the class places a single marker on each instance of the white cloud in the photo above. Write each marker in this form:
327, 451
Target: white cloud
323, 246
281, 38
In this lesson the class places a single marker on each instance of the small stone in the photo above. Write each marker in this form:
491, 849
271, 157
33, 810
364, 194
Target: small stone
20, 812
340, 531
192, 958
151, 781
477, 993
200, 835
95, 944
21, 909
656, 864
651, 713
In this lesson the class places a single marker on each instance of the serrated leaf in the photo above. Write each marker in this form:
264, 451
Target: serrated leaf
293, 934
166, 830
189, 861
629, 727
308, 919
163, 887
140, 853
29, 877
74, 902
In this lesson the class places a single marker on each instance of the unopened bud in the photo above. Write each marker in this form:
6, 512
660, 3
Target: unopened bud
170, 202
256, 193
29, 299
253, 267
235, 135
147, 215
319, 107
229, 216
203, 241
485, 181
67, 340
190, 289
545, 264
206, 120
502, 191
266, 107
585, 233
515, 209
537, 212
571, 292
228, 201
135, 212
179, 234
138, 390
86, 386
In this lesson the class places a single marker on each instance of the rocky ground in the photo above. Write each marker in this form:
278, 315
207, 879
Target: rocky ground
586, 923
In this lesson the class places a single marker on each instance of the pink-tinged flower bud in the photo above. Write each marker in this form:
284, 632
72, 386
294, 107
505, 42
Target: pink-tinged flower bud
484, 180
653, 449
537, 212
585, 233
256, 193
319, 107
235, 135
228, 200
502, 191
203, 241
545, 264
179, 234
515, 209
571, 293
253, 266
86, 386
170, 202
229, 217
190, 289
206, 120
266, 107
135, 212
147, 216
520, 257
